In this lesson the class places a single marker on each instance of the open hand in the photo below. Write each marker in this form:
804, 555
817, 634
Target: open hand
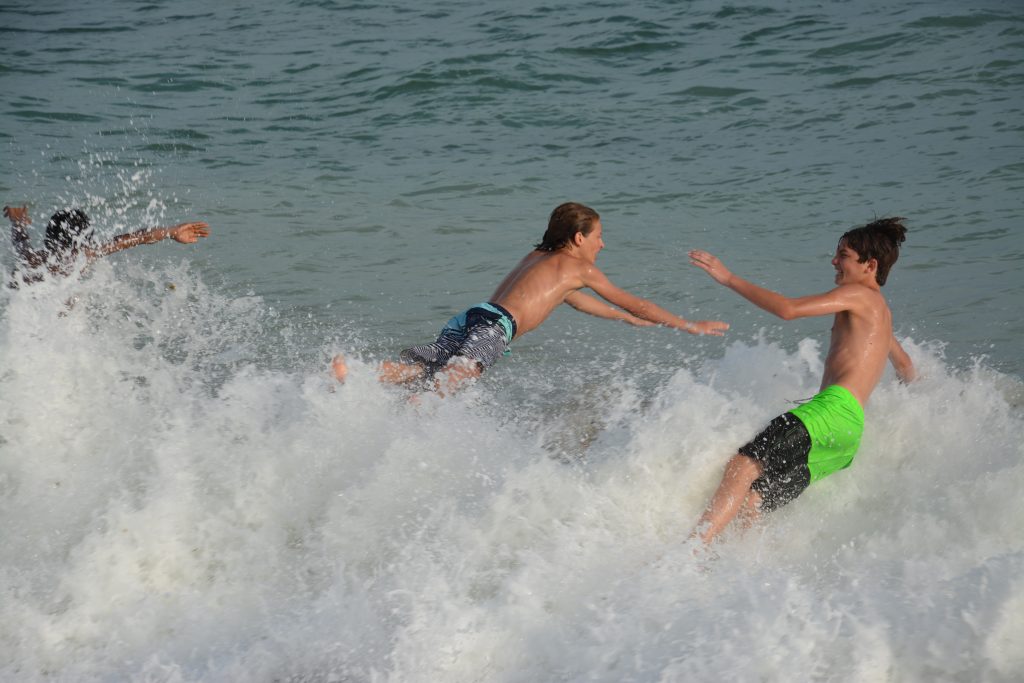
18, 215
710, 263
187, 233
715, 328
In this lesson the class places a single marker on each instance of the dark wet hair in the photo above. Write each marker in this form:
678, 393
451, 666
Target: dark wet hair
67, 231
879, 240
567, 220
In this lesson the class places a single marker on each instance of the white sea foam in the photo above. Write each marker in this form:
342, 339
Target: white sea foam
179, 508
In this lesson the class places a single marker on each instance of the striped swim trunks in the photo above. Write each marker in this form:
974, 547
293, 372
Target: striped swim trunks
481, 333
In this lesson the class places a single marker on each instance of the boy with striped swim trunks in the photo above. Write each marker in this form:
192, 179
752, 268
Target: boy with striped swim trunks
820, 436
553, 273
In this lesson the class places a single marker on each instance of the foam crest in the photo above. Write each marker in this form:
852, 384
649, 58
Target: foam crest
181, 506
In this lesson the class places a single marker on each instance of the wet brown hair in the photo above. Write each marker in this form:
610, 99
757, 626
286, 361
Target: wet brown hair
567, 220
67, 231
879, 240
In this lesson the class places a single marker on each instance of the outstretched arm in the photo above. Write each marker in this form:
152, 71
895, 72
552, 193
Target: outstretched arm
19, 218
647, 310
186, 233
591, 306
901, 362
787, 308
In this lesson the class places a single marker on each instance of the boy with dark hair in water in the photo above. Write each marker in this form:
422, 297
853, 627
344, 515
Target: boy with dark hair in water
561, 264
69, 233
820, 436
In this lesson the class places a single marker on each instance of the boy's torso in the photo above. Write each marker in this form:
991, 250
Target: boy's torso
859, 346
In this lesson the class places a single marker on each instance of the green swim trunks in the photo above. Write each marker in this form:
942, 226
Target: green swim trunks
809, 442
835, 422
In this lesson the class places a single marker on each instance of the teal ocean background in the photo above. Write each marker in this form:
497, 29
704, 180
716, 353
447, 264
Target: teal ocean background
188, 497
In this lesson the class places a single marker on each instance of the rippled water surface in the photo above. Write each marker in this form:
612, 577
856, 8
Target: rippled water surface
397, 158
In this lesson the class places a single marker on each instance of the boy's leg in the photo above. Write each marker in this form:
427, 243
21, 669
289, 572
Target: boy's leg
339, 367
456, 374
400, 373
482, 344
730, 497
751, 510
390, 371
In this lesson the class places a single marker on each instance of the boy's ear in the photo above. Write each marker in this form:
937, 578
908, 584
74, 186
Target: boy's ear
872, 265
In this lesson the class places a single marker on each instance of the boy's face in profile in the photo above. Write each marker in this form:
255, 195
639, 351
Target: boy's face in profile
592, 244
849, 269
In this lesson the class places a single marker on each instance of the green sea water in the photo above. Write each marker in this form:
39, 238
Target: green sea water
378, 167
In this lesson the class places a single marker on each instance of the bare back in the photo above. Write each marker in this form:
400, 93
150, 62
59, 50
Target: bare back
538, 284
860, 343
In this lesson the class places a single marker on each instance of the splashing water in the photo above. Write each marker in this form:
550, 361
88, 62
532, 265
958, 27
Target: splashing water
178, 507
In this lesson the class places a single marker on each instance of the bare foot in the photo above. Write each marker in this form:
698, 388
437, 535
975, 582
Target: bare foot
339, 367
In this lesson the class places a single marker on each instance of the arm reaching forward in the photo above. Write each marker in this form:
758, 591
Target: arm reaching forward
591, 306
186, 233
841, 298
647, 310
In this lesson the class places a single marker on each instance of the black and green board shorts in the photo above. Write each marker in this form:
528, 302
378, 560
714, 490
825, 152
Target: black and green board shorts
806, 444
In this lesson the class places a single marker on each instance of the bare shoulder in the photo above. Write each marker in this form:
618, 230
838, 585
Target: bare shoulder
574, 265
862, 298
536, 256
857, 292
555, 261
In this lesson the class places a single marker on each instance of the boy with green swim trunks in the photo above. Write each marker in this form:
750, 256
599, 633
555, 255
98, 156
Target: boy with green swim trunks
821, 436
553, 273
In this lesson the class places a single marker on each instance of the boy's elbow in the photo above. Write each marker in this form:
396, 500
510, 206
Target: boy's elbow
905, 370
909, 374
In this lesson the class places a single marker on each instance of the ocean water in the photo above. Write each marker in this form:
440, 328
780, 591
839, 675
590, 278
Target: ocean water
186, 495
